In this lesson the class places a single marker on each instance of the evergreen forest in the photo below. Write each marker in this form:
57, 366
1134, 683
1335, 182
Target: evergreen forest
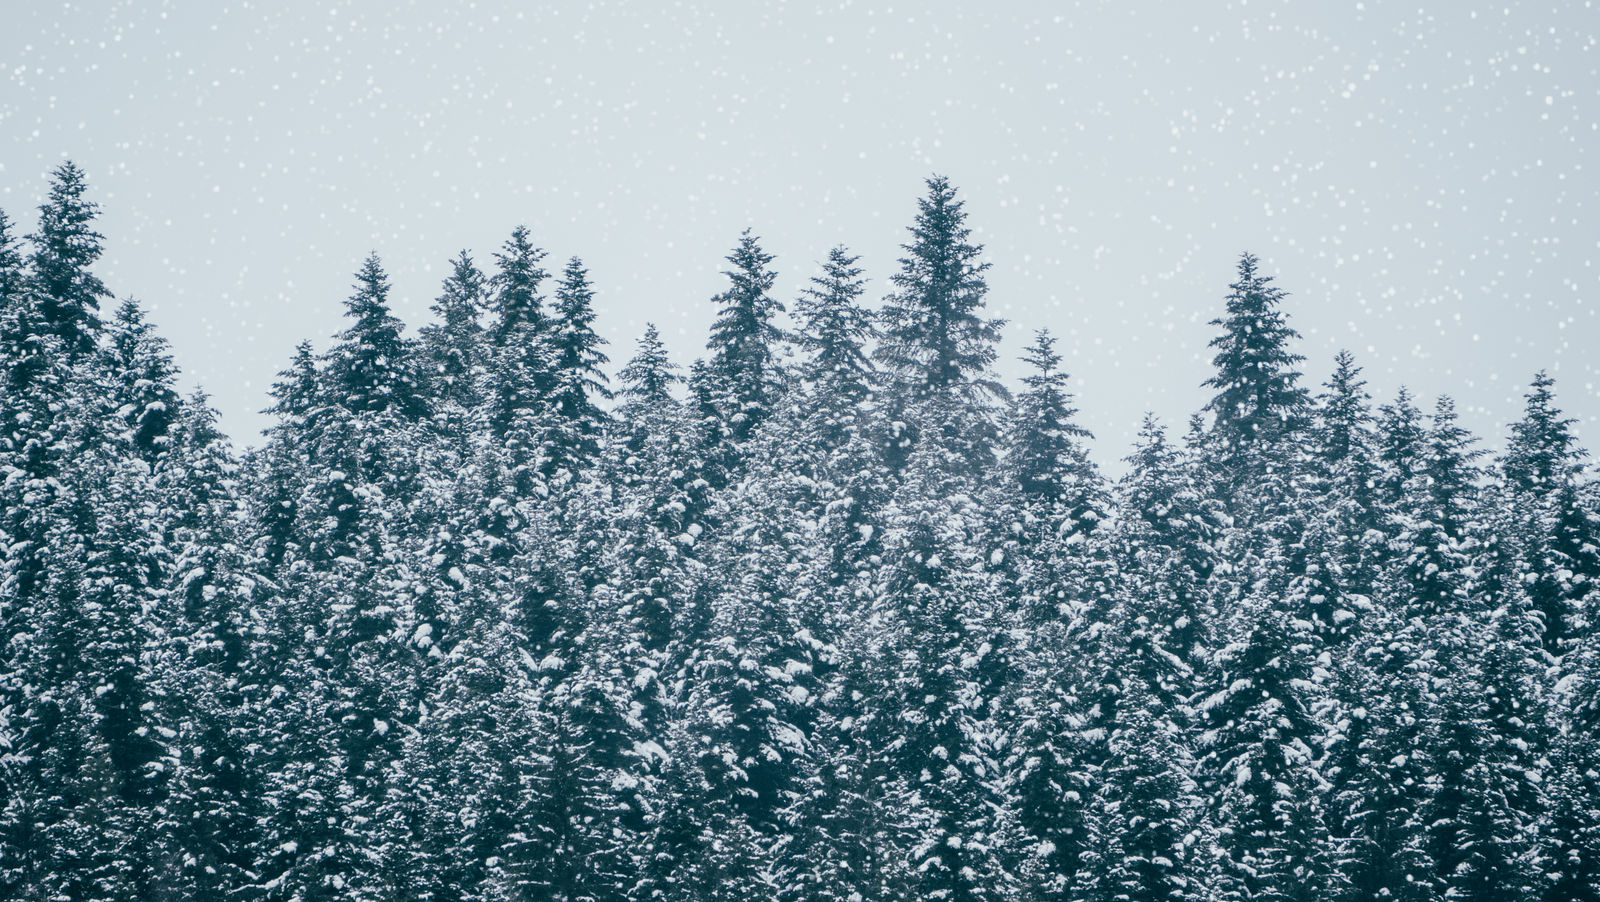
831, 613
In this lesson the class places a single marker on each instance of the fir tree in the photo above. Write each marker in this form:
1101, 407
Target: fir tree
1542, 466
1258, 401
372, 369
833, 331
742, 377
578, 382
1044, 451
455, 347
517, 302
936, 347
65, 247
142, 373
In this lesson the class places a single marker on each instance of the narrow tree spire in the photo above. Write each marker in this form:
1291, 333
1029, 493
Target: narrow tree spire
935, 340
65, 246
1258, 399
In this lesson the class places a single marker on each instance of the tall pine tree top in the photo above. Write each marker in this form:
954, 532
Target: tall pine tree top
371, 368
1542, 455
744, 339
1257, 398
835, 328
648, 378
935, 339
139, 365
577, 380
455, 344
1045, 453
65, 247
517, 300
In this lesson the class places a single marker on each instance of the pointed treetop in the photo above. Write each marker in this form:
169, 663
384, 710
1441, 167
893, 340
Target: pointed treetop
935, 341
517, 301
65, 247
1542, 454
835, 328
578, 362
1049, 462
1345, 410
295, 392
371, 369
1452, 474
1257, 397
743, 369
649, 376
463, 297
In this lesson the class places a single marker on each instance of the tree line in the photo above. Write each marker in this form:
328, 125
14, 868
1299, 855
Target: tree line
831, 615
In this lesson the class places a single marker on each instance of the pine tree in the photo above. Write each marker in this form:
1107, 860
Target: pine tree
742, 376
142, 375
1259, 764
834, 331
1542, 467
1343, 541
1572, 837
455, 347
1436, 536
517, 303
65, 247
1258, 402
578, 382
1401, 436
1487, 795
372, 369
1144, 811
1044, 452
1379, 761
950, 661
936, 348
1167, 545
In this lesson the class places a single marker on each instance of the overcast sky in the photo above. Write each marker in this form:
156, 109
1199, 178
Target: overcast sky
1420, 176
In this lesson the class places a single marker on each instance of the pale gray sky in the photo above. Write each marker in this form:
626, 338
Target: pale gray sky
1418, 175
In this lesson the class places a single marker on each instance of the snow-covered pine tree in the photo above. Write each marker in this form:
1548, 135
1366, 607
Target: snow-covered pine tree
1260, 748
519, 366
1556, 536
64, 248
455, 350
141, 376
937, 348
1166, 543
1144, 809
1259, 402
578, 383
1050, 500
210, 671
742, 378
833, 332
947, 653
1401, 440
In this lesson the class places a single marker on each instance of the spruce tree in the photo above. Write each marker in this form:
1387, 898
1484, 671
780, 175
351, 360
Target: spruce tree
936, 347
64, 248
517, 303
1258, 401
140, 369
578, 382
1542, 467
834, 331
455, 348
742, 378
372, 369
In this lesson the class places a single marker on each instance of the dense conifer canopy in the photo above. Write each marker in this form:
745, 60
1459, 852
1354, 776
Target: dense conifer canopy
836, 618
